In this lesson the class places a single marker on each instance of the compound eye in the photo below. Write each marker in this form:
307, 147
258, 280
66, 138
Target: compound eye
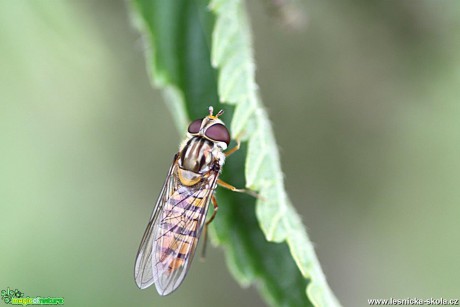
195, 126
219, 133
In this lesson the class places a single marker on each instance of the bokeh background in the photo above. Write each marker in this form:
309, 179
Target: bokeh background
365, 105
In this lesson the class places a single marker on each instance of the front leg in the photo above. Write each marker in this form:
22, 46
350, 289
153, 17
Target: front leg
234, 149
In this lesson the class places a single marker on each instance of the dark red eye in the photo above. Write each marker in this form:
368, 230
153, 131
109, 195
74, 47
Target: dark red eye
219, 133
195, 126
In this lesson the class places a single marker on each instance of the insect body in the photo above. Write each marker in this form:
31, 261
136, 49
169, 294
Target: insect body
172, 234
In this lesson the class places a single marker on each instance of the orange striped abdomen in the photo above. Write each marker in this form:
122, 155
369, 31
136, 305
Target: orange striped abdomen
181, 223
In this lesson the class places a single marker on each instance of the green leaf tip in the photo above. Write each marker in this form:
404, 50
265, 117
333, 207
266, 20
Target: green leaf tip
232, 56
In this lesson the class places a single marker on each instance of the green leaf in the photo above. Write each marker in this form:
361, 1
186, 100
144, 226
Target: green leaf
232, 55
177, 54
179, 35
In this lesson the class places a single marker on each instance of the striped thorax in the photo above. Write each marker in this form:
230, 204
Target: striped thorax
203, 148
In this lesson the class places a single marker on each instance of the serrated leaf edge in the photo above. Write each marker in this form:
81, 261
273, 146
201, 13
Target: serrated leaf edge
279, 227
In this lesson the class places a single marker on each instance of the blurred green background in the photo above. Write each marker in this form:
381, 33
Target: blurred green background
365, 105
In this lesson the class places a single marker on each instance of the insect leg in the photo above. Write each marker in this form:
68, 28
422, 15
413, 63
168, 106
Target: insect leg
238, 143
216, 207
205, 230
232, 188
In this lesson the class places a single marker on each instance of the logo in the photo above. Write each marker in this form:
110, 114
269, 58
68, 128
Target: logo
16, 297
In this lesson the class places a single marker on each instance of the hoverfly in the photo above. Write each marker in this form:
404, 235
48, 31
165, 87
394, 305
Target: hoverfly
170, 240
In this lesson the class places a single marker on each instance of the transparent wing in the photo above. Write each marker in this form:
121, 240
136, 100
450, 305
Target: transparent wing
177, 234
143, 273
169, 242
